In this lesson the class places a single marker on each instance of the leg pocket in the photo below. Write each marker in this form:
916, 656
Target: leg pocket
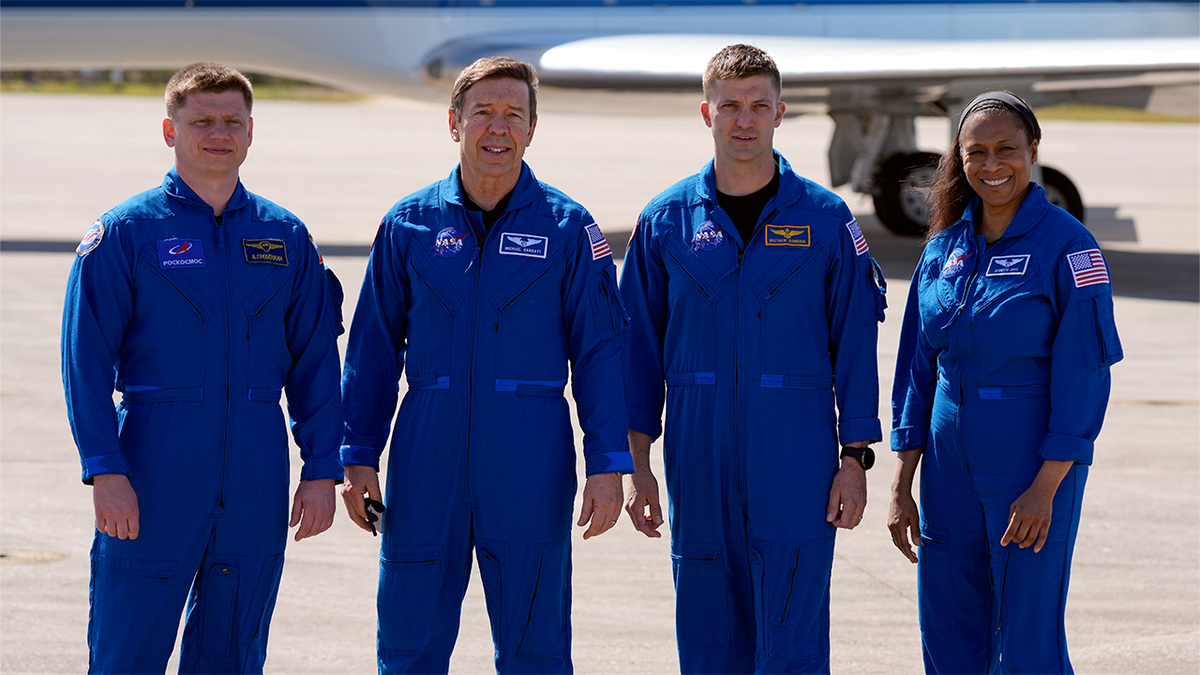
935, 586
796, 597
701, 598
409, 586
217, 594
546, 624
130, 627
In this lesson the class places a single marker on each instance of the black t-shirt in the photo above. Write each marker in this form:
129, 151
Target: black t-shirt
489, 217
745, 210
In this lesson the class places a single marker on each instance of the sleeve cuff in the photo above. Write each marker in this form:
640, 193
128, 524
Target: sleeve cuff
99, 465
645, 422
1063, 448
359, 455
609, 462
322, 469
908, 438
860, 429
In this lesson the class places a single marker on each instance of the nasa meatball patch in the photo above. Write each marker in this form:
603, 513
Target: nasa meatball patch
92, 239
176, 254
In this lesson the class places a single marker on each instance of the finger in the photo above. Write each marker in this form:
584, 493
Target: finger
134, 526
833, 508
306, 526
656, 515
1043, 532
585, 513
297, 510
356, 507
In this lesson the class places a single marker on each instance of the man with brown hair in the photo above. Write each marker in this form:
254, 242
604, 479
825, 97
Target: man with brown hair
752, 297
206, 303
482, 289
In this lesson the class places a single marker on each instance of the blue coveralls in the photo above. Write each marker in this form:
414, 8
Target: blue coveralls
483, 453
749, 338
1003, 363
202, 326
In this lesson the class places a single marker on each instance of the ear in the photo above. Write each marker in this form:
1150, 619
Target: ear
704, 112
169, 132
532, 126
453, 126
1033, 152
250, 133
779, 110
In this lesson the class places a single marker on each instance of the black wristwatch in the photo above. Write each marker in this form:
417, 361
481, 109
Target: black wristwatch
865, 456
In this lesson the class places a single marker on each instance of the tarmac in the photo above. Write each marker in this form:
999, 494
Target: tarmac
1134, 604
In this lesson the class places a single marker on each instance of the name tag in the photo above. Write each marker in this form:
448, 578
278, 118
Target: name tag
268, 251
1008, 265
787, 235
528, 245
174, 254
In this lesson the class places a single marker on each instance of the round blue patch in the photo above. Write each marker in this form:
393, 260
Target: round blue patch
708, 236
448, 242
92, 239
956, 262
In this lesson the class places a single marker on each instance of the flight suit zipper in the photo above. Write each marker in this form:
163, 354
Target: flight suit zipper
223, 258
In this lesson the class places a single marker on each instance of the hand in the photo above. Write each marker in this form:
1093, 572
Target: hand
848, 496
1029, 516
313, 507
116, 505
903, 520
642, 503
360, 481
601, 503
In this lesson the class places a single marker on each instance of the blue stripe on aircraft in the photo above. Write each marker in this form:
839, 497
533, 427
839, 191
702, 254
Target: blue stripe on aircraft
557, 4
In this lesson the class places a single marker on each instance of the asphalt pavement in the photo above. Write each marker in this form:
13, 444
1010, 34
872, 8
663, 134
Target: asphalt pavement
1134, 605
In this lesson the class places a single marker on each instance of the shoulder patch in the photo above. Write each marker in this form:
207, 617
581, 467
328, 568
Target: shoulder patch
1088, 267
92, 239
600, 247
320, 258
268, 251
860, 242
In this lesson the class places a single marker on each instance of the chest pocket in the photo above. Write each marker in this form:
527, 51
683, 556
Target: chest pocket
530, 330
268, 358
702, 280
170, 308
433, 305
998, 289
792, 315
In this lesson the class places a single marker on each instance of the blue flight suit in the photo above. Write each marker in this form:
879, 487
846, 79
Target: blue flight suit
1003, 363
483, 453
201, 326
749, 338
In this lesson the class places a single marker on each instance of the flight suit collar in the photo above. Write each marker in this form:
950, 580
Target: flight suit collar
522, 195
791, 189
1032, 211
174, 186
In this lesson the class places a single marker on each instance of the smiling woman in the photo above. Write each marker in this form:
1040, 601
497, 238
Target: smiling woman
1002, 381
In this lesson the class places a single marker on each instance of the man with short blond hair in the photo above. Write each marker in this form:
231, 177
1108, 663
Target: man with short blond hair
482, 289
204, 303
752, 298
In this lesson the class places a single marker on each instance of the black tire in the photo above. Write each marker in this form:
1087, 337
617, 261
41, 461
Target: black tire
1062, 192
900, 200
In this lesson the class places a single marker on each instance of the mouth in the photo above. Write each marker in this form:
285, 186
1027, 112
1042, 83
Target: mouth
996, 183
494, 150
743, 138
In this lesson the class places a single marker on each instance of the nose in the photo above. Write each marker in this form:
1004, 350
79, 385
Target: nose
498, 125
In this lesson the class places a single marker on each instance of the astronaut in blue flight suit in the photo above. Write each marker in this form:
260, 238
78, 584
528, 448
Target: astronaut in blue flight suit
751, 294
482, 288
204, 302
1002, 379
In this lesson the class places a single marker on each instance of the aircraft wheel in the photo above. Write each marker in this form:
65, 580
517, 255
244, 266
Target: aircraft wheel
1061, 192
900, 204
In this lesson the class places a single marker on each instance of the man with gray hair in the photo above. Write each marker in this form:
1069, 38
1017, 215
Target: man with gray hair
482, 289
752, 298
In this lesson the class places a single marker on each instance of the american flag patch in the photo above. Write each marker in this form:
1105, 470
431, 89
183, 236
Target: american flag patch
1088, 267
599, 244
860, 242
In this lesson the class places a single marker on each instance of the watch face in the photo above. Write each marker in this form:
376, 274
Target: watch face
868, 458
